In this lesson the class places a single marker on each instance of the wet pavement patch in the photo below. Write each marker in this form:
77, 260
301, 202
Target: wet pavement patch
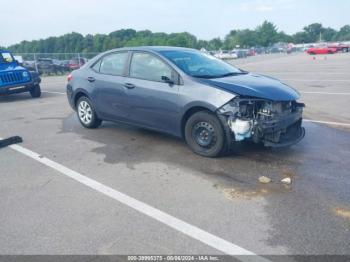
232, 193
249, 193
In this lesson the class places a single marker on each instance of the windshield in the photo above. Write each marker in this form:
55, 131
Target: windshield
201, 65
5, 57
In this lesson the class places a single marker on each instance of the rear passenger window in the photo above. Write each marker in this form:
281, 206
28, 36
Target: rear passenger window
114, 64
148, 67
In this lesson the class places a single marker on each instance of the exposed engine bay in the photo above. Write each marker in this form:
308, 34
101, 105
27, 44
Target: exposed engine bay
273, 123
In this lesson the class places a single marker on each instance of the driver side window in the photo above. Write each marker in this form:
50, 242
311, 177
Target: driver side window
148, 67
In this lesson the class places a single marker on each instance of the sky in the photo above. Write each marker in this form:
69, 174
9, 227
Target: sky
206, 19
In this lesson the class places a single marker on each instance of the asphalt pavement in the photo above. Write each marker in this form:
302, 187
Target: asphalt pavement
46, 211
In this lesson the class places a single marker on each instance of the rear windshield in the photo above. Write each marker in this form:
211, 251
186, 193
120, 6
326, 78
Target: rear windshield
5, 57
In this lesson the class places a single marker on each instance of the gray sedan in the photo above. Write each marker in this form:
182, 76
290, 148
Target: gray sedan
207, 102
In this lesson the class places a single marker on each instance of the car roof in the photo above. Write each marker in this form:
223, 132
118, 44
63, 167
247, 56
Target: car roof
153, 48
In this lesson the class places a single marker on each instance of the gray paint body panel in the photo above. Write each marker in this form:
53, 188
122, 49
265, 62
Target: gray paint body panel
161, 106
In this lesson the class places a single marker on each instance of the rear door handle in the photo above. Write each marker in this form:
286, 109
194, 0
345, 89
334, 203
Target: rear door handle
129, 85
91, 79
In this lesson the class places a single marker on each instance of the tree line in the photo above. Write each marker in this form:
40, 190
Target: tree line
263, 35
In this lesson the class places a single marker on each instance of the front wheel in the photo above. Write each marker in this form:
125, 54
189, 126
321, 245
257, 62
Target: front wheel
86, 113
204, 134
35, 91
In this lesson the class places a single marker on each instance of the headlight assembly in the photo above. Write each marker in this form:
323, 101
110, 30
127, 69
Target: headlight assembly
25, 74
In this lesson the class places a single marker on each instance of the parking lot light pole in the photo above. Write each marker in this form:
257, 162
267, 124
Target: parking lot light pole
79, 60
35, 63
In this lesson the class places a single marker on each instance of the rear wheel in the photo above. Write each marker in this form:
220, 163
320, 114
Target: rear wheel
87, 114
35, 91
204, 134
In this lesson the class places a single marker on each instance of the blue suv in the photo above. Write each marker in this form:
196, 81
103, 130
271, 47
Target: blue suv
15, 78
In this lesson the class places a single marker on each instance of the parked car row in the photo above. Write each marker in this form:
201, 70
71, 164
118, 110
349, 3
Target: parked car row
232, 54
50, 66
328, 49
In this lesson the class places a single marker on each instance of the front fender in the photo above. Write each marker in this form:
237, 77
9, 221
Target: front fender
35, 77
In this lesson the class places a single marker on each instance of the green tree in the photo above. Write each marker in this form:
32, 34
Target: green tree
266, 34
283, 37
343, 34
314, 31
215, 44
329, 34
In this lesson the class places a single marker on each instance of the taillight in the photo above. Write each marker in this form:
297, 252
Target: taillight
69, 77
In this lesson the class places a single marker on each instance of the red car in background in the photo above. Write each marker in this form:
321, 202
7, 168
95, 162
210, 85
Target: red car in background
76, 63
321, 50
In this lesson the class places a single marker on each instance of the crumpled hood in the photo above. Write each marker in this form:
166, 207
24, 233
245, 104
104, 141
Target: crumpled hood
255, 85
10, 67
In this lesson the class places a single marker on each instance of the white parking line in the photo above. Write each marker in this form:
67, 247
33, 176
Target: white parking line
53, 92
171, 221
323, 93
303, 73
326, 122
47, 82
315, 80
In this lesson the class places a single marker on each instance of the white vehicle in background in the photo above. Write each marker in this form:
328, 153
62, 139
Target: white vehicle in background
226, 55
19, 59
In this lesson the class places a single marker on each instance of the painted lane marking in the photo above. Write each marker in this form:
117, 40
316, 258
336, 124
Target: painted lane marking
171, 221
327, 122
54, 92
323, 93
315, 80
302, 73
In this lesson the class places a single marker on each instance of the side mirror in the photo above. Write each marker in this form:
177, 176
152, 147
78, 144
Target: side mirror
167, 80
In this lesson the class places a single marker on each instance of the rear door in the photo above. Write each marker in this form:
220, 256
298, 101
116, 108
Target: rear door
108, 80
151, 97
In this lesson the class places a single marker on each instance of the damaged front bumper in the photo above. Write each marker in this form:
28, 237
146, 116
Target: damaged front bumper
275, 124
279, 136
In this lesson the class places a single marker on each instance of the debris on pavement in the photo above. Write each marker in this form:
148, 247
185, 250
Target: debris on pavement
342, 212
264, 180
286, 181
10, 141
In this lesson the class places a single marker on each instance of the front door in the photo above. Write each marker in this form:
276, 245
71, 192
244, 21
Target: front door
151, 97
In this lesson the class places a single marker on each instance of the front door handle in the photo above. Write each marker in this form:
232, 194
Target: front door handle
129, 85
91, 79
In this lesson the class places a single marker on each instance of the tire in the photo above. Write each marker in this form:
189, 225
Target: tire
35, 91
204, 134
86, 113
